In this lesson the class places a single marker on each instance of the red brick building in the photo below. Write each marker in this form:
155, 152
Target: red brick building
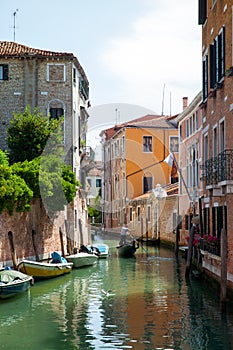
215, 16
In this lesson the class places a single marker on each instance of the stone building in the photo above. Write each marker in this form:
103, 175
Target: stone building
190, 161
56, 84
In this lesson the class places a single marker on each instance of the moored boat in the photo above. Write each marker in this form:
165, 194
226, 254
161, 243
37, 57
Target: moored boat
100, 249
82, 259
13, 283
39, 269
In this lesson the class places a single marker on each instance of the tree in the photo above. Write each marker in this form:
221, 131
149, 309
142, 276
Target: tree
28, 134
15, 194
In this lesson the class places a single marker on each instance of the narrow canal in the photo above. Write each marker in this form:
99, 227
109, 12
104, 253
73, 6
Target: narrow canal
143, 304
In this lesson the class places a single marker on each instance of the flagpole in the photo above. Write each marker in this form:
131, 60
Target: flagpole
181, 176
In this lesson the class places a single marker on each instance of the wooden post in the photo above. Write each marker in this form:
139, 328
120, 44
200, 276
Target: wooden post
12, 248
177, 230
34, 245
201, 218
223, 287
146, 231
190, 251
62, 242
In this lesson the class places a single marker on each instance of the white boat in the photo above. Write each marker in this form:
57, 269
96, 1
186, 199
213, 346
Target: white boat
82, 259
13, 283
101, 249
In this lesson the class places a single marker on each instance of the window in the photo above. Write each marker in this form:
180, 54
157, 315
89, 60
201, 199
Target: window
215, 142
180, 132
206, 147
74, 75
98, 183
174, 144
197, 126
187, 128
221, 136
147, 143
130, 214
56, 72
217, 59
56, 113
139, 213
3, 71
147, 184
202, 15
149, 213
84, 88
205, 77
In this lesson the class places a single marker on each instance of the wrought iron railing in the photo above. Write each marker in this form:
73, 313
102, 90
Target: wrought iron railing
218, 169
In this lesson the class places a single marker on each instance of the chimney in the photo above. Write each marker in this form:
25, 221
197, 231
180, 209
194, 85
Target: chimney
185, 102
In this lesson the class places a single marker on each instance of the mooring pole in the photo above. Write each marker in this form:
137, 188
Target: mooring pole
12, 248
34, 245
223, 288
62, 242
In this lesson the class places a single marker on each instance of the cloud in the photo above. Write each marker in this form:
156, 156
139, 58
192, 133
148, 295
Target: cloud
163, 47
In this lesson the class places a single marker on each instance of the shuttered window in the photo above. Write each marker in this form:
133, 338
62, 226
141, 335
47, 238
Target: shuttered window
202, 11
217, 59
205, 77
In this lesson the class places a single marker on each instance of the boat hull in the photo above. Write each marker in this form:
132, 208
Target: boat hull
82, 259
126, 251
44, 270
102, 248
15, 287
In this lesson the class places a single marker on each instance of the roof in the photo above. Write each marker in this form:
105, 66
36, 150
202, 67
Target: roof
147, 121
10, 49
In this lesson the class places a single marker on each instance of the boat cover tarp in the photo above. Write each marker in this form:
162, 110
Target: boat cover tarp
7, 276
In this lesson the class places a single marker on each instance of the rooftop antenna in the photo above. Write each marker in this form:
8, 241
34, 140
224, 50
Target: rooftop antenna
14, 14
163, 99
117, 116
170, 103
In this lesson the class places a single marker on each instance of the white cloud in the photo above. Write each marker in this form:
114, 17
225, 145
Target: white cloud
162, 48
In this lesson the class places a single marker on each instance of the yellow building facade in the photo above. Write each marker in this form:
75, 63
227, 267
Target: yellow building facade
133, 163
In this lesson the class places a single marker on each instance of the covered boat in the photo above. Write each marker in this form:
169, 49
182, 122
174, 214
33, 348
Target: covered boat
13, 282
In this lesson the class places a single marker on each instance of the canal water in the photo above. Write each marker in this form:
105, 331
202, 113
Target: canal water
143, 304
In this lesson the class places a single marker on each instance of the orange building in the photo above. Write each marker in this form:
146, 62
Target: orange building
133, 158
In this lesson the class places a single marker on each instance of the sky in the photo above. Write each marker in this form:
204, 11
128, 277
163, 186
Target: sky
144, 53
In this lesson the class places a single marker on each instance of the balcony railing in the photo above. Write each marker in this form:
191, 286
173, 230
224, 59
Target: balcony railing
218, 169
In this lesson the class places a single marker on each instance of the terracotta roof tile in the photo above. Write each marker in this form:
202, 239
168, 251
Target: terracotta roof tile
12, 49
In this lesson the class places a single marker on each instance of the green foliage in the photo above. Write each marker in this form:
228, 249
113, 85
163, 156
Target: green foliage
14, 192
28, 134
29, 171
38, 170
58, 184
4, 158
93, 212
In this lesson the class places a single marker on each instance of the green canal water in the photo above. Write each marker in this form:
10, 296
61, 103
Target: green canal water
142, 303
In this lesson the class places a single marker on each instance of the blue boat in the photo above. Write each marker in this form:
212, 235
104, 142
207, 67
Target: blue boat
13, 282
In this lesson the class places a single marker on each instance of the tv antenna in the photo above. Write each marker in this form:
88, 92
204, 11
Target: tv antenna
14, 14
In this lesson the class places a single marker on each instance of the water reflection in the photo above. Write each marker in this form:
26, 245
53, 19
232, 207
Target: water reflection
143, 303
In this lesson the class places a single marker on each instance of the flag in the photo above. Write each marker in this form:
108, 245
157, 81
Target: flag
169, 159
